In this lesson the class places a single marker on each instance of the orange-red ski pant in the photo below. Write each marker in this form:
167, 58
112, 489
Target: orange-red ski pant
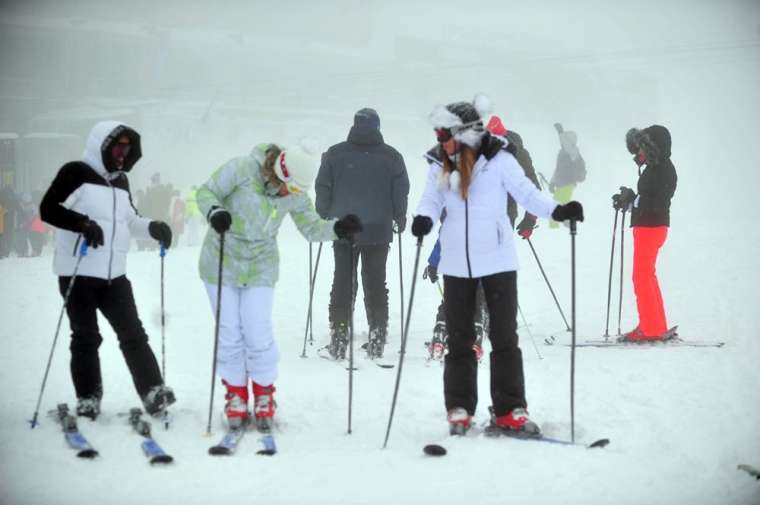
646, 244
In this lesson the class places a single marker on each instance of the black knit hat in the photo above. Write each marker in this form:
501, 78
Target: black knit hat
367, 117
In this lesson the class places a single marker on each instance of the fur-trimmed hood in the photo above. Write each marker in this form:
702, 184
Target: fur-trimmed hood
655, 141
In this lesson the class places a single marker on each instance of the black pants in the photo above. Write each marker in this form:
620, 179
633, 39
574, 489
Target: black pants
117, 303
460, 373
373, 258
480, 315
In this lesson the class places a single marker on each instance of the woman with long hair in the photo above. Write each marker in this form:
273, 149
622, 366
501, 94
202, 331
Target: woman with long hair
477, 247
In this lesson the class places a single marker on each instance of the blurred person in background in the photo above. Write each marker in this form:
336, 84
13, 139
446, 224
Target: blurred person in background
570, 169
10, 211
177, 215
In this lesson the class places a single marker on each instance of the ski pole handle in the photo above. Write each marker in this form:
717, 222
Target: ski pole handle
83, 248
162, 250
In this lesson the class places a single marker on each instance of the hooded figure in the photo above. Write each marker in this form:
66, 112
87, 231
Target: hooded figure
89, 201
366, 177
650, 220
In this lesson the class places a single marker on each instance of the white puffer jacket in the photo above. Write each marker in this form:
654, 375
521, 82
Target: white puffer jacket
86, 190
476, 238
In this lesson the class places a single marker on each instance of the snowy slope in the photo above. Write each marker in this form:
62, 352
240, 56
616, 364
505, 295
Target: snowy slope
679, 419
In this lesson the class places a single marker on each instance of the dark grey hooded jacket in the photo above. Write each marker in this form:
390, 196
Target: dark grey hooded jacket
366, 177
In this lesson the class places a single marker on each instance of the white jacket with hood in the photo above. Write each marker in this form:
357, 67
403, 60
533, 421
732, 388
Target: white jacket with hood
95, 189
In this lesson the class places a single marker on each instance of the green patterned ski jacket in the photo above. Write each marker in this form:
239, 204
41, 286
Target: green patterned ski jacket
251, 256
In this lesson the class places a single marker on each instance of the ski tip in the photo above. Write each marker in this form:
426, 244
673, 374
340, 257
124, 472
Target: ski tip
219, 450
266, 452
434, 450
602, 442
385, 365
87, 454
161, 459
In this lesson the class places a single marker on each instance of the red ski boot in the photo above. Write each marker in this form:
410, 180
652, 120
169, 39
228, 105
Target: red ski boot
517, 423
263, 406
459, 421
236, 405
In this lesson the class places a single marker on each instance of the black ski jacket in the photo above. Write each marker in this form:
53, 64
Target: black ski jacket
366, 177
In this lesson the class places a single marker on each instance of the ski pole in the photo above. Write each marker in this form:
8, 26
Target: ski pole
162, 254
82, 254
548, 283
351, 336
609, 281
573, 231
216, 330
401, 280
530, 333
312, 282
622, 260
404, 336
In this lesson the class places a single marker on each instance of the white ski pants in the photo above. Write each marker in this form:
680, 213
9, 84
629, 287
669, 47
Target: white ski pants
246, 341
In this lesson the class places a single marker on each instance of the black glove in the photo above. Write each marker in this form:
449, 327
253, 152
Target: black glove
558, 127
421, 226
616, 202
627, 196
431, 273
220, 220
161, 232
571, 210
348, 226
92, 233
400, 225
526, 226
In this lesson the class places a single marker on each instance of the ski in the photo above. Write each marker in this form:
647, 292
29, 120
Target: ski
323, 353
268, 447
673, 342
73, 437
493, 431
264, 426
229, 442
151, 449
754, 472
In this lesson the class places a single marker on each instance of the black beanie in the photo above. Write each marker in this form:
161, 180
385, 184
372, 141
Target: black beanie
367, 117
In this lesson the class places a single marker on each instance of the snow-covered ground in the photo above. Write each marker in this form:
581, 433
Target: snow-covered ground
680, 419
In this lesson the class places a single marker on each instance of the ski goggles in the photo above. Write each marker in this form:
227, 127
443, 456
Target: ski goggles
443, 135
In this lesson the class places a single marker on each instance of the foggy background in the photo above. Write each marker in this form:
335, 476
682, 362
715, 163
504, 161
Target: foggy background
204, 82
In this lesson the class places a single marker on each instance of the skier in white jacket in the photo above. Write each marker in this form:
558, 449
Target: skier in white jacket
477, 246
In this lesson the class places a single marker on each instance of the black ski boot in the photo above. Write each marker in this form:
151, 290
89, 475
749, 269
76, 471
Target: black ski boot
338, 341
158, 399
437, 346
88, 407
377, 338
